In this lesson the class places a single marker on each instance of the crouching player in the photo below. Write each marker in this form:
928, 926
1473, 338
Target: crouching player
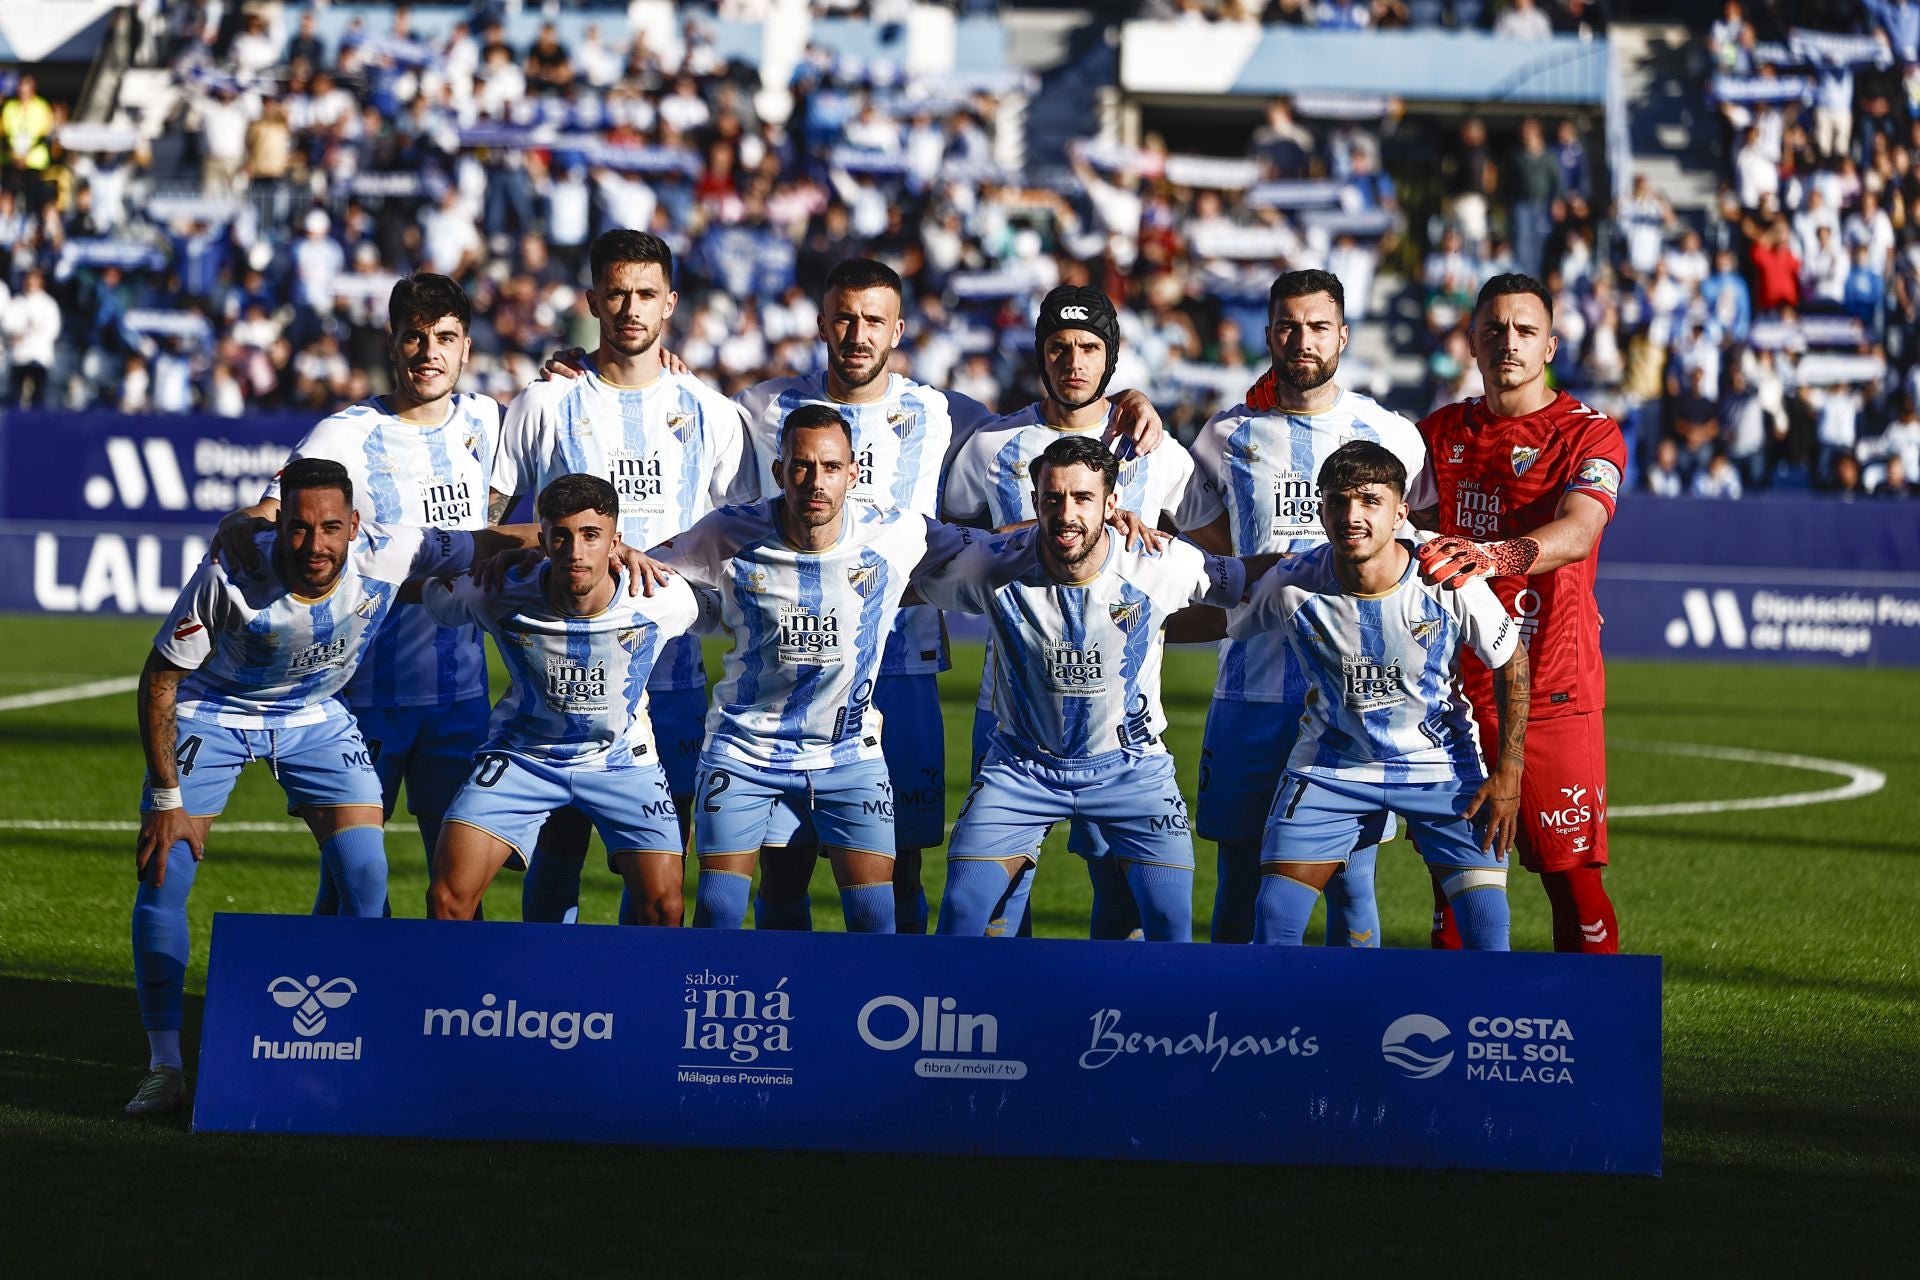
573, 728
1075, 618
246, 667
1386, 729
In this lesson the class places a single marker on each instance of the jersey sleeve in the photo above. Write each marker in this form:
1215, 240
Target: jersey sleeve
451, 602
762, 436
398, 552
708, 619
321, 442
1271, 605
1222, 582
964, 580
965, 494
1489, 629
700, 554
676, 608
733, 476
1600, 460
1410, 447
1205, 499
523, 445
966, 416
186, 637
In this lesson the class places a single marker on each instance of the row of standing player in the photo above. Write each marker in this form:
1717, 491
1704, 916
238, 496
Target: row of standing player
413, 447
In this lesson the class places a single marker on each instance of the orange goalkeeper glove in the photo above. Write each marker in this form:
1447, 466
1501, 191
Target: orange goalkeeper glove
1453, 561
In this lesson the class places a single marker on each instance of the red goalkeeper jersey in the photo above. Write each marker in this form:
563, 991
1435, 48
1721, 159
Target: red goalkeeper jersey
1503, 478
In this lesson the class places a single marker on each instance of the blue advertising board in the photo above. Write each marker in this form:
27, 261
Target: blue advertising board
683, 1037
185, 470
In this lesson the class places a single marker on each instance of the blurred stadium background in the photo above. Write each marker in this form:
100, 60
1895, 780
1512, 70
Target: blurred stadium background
203, 206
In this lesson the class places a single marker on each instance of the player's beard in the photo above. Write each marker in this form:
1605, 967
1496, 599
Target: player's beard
440, 389
848, 381
1083, 549
626, 349
1509, 377
1315, 374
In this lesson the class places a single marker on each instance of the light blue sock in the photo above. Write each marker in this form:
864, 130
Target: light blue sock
795, 916
1165, 897
1238, 884
1014, 918
977, 890
720, 899
161, 941
163, 1050
1115, 913
1282, 911
1353, 914
326, 899
550, 891
355, 860
1479, 902
868, 907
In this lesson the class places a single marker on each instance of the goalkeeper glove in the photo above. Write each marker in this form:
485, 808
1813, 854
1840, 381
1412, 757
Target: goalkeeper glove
1264, 395
1454, 561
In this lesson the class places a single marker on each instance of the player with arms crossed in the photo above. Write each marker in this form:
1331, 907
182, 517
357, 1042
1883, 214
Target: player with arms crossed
573, 729
1255, 493
808, 584
1526, 480
1386, 730
1076, 341
1075, 617
246, 667
422, 455
674, 449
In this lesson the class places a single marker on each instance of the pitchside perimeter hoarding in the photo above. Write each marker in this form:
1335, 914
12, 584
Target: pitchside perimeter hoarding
1030, 1048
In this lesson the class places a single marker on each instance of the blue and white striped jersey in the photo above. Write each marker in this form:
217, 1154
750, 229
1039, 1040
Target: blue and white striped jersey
1260, 470
900, 442
1383, 702
674, 450
265, 658
992, 477
1076, 669
579, 692
807, 628
433, 478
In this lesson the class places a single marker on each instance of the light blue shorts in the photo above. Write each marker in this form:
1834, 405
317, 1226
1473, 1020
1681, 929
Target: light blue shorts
1242, 756
1083, 837
430, 748
510, 796
913, 740
1321, 819
734, 802
1133, 802
326, 765
679, 719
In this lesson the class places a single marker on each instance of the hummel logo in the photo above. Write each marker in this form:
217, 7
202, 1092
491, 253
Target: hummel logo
311, 999
1595, 933
186, 629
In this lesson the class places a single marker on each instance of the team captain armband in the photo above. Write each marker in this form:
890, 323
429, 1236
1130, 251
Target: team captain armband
1599, 478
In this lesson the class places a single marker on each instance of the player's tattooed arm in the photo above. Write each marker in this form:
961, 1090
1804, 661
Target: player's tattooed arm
162, 827
498, 504
1500, 793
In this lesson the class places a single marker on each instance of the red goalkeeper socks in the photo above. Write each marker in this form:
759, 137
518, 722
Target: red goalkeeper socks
1583, 917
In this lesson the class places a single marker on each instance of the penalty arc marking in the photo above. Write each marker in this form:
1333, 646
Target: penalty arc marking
1860, 780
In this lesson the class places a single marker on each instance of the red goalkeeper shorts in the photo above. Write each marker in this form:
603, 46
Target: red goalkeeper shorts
1563, 790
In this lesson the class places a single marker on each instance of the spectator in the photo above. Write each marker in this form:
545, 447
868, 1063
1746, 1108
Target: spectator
1776, 269
1523, 21
1719, 479
1728, 301
1696, 424
1747, 426
225, 117
26, 127
1838, 431
1537, 184
32, 325
1663, 477
1895, 484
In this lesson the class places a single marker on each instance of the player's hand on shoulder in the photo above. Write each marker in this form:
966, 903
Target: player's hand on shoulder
567, 363
672, 363
1136, 534
490, 574
233, 544
645, 575
1135, 418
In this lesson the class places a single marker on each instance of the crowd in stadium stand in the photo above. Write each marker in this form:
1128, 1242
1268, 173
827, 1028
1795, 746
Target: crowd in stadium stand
1770, 346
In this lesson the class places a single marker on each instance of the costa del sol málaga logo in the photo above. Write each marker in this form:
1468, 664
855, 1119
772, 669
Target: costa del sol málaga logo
311, 1000
1394, 1046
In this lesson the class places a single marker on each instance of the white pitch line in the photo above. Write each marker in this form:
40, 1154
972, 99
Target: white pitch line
244, 828
70, 693
1861, 781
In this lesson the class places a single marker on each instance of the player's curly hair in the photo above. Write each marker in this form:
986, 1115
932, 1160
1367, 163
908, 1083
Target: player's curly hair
1084, 451
426, 296
569, 495
1362, 462
612, 248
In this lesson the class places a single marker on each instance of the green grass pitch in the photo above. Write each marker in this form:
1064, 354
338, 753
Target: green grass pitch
1791, 940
